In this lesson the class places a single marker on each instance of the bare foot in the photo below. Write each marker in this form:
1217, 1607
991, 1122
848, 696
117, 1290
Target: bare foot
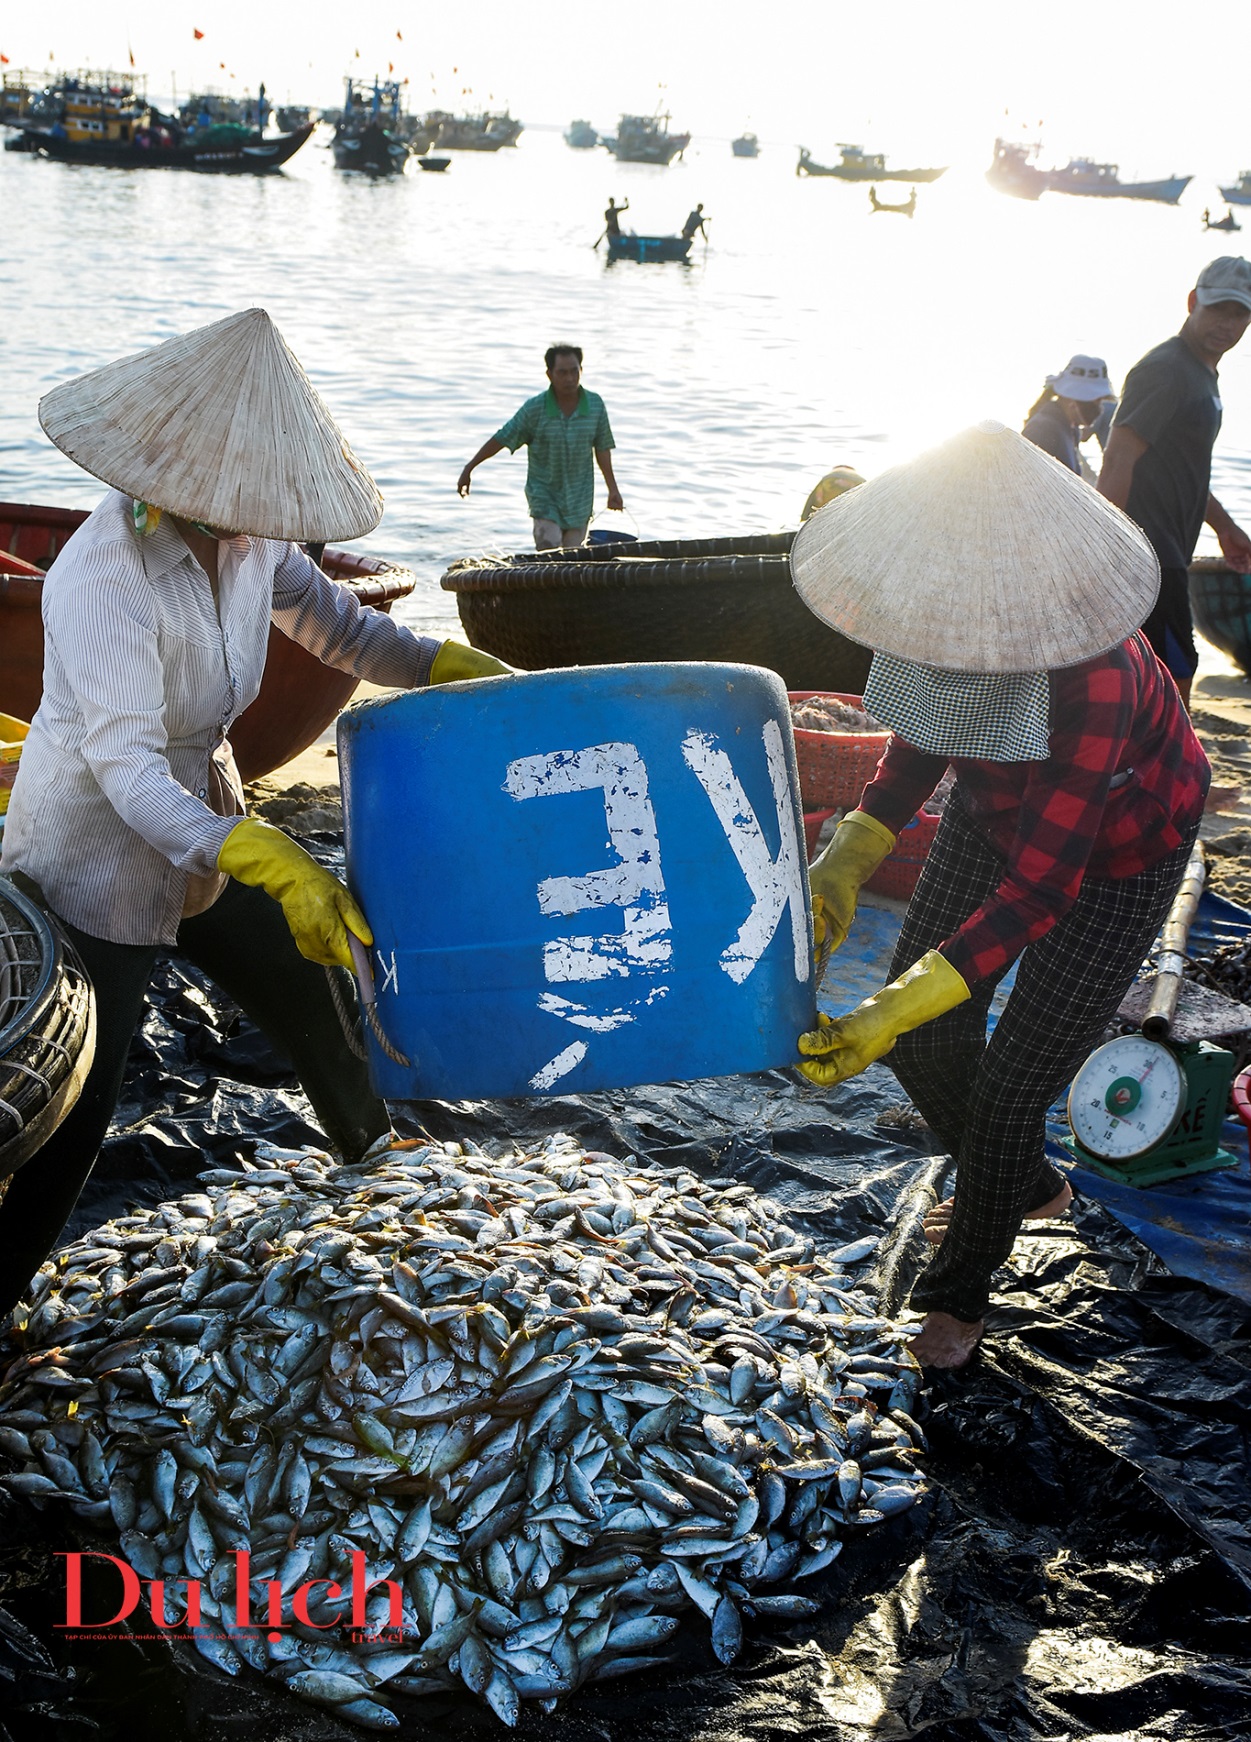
946, 1342
936, 1222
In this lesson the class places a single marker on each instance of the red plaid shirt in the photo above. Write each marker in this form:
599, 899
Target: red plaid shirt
1117, 719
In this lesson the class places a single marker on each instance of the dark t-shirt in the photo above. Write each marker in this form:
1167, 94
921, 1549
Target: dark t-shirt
1172, 402
1051, 431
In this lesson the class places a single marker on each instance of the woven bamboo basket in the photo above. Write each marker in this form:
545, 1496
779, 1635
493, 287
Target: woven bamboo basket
900, 871
724, 599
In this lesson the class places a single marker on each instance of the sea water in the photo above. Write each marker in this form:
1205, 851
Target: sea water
807, 332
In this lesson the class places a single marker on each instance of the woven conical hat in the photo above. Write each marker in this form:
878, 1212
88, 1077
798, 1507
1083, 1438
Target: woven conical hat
220, 425
983, 554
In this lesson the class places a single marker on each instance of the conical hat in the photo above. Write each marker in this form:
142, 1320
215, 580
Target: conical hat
983, 554
220, 425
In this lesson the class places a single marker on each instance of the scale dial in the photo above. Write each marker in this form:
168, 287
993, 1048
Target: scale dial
1126, 1098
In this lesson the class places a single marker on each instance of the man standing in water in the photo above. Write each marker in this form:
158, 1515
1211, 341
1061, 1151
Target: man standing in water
1158, 458
694, 224
562, 428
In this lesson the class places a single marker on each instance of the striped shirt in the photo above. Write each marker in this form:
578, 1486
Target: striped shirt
144, 673
560, 479
1124, 779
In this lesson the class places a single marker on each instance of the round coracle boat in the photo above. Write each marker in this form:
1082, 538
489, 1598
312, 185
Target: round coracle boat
725, 599
1220, 602
47, 1027
299, 697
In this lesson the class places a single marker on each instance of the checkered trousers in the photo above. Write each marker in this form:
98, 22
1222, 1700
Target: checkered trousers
986, 1100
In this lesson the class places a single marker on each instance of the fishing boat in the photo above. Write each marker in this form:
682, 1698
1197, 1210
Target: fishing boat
369, 135
289, 116
1220, 601
1014, 170
485, 132
1081, 175
746, 145
628, 246
856, 164
646, 139
581, 136
299, 696
437, 164
727, 598
105, 118
1240, 193
905, 208
1228, 222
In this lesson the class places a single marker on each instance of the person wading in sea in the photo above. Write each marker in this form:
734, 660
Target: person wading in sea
1158, 459
563, 428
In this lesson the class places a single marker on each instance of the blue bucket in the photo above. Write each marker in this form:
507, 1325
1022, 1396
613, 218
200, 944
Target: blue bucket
580, 879
610, 535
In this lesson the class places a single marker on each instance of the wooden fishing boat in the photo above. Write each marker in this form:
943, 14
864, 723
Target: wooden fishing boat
299, 696
370, 134
1228, 222
222, 150
1014, 170
746, 145
725, 599
435, 164
581, 136
631, 247
1220, 602
646, 139
856, 164
486, 132
1102, 180
1240, 193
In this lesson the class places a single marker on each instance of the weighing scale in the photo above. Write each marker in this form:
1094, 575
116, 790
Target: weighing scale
1143, 1111
1149, 1107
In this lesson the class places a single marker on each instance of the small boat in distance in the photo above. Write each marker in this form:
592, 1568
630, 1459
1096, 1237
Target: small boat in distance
906, 208
746, 145
1014, 171
648, 248
485, 132
1081, 175
855, 164
581, 136
646, 139
1240, 193
1228, 222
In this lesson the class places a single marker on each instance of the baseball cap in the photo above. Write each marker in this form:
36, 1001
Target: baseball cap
1227, 279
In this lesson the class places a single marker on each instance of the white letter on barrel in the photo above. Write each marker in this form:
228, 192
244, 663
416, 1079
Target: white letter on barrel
774, 883
634, 884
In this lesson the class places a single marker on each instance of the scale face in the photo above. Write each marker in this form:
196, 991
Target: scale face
1126, 1098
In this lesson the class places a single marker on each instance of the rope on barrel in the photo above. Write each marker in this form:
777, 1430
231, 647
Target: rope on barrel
352, 1028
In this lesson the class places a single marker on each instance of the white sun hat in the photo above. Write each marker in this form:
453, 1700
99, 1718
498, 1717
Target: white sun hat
222, 426
982, 555
1082, 378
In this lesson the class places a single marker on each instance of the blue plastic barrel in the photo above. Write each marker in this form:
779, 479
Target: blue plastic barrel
580, 879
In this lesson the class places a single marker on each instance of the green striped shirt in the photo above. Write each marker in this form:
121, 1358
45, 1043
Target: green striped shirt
560, 475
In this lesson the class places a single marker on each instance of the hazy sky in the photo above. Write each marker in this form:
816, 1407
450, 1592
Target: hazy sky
1132, 80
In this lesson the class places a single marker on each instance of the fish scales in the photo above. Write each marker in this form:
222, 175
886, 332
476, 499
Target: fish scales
544, 1393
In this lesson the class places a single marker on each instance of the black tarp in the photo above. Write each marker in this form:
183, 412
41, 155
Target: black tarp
1080, 1569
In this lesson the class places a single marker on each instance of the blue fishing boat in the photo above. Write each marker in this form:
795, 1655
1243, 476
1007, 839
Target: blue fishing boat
632, 247
1240, 193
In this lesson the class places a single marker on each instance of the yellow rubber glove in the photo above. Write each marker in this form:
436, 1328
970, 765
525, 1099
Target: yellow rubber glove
318, 908
860, 844
454, 662
847, 1045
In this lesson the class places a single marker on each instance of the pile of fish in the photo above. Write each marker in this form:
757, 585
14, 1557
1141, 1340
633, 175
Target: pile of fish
556, 1399
829, 714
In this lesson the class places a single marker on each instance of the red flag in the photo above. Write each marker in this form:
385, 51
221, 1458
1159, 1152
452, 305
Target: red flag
222, 65
131, 53
399, 36
390, 66
198, 34
4, 60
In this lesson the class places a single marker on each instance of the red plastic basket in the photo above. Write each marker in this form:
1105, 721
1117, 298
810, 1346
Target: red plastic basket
834, 767
812, 827
898, 873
